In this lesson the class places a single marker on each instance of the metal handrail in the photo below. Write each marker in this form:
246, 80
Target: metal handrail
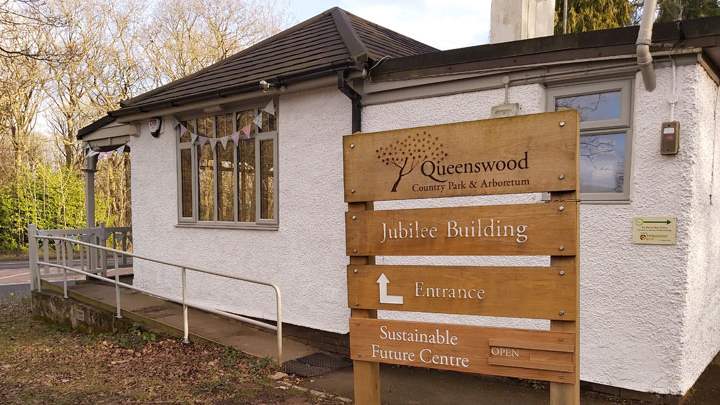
62, 256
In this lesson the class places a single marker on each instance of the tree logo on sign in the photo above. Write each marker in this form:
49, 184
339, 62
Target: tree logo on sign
407, 153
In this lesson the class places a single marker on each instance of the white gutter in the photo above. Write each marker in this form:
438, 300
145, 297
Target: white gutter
644, 40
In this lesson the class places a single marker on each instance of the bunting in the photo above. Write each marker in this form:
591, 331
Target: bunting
247, 129
270, 108
104, 155
258, 120
244, 132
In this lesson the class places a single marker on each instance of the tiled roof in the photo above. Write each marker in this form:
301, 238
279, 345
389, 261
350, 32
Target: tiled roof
328, 42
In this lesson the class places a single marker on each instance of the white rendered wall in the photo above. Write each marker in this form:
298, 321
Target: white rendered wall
305, 257
633, 297
701, 338
649, 314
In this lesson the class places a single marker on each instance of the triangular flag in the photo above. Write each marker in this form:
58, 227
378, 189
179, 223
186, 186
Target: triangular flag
270, 108
258, 120
213, 143
202, 140
121, 149
183, 130
246, 130
193, 137
235, 137
224, 141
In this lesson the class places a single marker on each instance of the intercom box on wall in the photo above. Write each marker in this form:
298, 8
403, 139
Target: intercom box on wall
670, 138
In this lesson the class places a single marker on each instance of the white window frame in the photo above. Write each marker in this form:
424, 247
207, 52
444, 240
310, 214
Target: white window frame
600, 127
260, 223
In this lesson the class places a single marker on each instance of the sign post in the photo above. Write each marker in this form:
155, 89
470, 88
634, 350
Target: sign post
522, 154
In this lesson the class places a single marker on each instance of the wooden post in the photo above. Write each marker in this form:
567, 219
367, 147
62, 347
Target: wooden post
33, 255
552, 141
568, 394
366, 375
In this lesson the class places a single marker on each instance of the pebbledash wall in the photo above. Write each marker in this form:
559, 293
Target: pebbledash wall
649, 314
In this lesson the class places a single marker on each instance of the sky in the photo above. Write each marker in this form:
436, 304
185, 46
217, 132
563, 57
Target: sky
444, 24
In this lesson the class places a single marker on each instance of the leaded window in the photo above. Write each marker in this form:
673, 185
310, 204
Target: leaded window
227, 169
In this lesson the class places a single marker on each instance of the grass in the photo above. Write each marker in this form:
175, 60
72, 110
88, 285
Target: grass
13, 256
45, 363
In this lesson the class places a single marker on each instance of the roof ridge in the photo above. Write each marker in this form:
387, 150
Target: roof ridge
351, 39
384, 28
279, 35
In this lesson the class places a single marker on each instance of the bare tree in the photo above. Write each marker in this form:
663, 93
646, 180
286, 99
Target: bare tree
25, 24
188, 35
70, 105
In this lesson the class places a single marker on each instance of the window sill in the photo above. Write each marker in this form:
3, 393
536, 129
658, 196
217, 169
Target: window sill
227, 225
605, 202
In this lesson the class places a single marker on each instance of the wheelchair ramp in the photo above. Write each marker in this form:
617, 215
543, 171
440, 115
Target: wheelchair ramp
162, 316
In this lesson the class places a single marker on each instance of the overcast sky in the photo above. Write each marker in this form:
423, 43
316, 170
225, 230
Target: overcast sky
444, 24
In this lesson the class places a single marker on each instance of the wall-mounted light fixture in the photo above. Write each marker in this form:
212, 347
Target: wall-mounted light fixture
155, 125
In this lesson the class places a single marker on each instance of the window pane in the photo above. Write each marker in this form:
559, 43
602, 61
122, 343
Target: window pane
205, 127
185, 137
225, 181
593, 107
205, 183
223, 125
246, 167
602, 163
267, 195
268, 122
246, 180
186, 182
245, 120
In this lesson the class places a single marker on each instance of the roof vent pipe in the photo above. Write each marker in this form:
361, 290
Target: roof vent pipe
644, 40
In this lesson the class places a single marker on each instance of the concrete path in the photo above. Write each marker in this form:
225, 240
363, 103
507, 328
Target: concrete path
225, 331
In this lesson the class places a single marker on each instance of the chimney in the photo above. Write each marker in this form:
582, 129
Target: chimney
513, 20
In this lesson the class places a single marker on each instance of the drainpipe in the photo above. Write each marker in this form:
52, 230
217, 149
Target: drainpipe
355, 99
644, 40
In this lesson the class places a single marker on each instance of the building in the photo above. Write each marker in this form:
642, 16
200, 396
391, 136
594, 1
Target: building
272, 207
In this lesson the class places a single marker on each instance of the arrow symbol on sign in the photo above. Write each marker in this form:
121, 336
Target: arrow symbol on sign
667, 222
384, 297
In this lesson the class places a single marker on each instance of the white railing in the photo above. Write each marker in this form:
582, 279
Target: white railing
97, 261
64, 247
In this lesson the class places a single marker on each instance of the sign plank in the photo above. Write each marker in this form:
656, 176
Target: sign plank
522, 230
517, 292
521, 154
539, 355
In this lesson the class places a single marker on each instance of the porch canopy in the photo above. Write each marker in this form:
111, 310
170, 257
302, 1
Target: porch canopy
103, 135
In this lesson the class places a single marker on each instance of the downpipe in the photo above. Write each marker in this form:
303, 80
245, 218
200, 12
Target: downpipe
644, 40
355, 99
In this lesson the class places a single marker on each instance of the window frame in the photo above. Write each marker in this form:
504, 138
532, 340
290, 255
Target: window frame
259, 224
624, 123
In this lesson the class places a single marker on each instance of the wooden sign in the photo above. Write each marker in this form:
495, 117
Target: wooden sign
516, 292
522, 154
537, 355
528, 229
